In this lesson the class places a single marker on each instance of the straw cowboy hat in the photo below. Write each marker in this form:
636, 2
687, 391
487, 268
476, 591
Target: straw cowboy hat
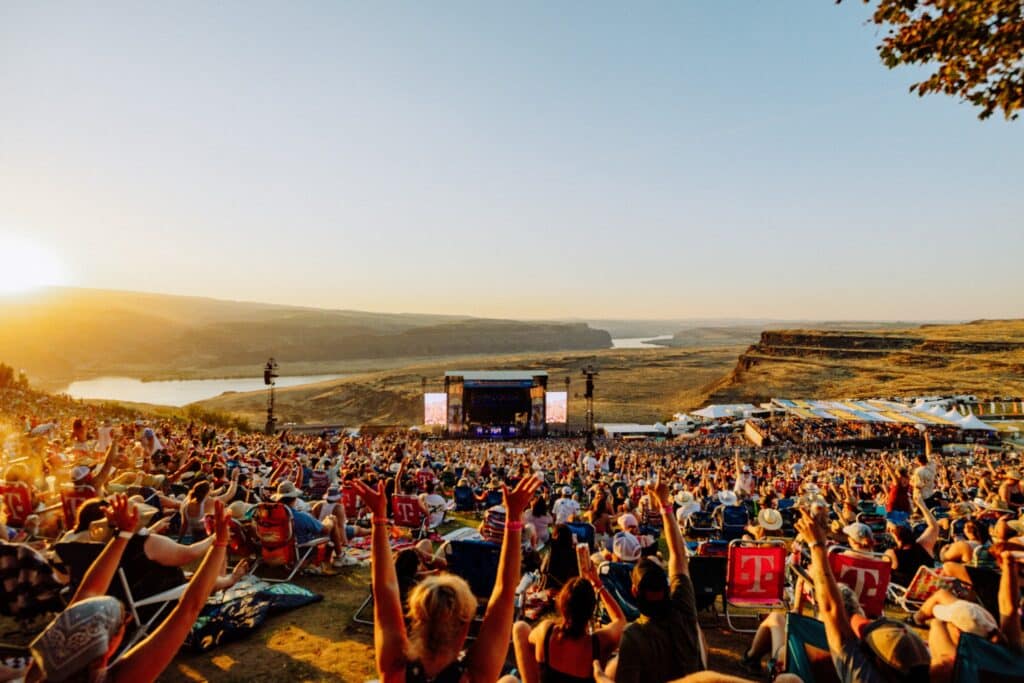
769, 519
727, 498
684, 497
285, 491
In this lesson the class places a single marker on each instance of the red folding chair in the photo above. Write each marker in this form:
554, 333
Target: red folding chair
71, 498
17, 497
350, 500
866, 573
755, 577
278, 546
408, 514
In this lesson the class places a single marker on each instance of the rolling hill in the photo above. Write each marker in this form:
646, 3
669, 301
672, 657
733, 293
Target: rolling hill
57, 335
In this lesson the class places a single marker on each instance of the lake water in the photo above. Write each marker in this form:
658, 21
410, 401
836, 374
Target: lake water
639, 342
177, 392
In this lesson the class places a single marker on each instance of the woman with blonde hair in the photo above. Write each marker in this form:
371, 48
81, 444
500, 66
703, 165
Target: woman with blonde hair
441, 608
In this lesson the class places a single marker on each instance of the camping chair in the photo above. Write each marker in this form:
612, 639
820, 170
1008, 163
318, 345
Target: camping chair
925, 582
240, 540
708, 577
492, 498
875, 522
476, 562
618, 579
755, 577
713, 548
407, 513
146, 588
789, 516
17, 498
985, 584
71, 498
734, 520
465, 500
701, 525
807, 652
350, 501
278, 545
978, 660
583, 532
866, 573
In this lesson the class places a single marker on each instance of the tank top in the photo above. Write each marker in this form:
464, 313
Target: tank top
452, 673
548, 674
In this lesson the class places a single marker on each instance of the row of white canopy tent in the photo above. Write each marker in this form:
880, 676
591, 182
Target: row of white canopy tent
877, 410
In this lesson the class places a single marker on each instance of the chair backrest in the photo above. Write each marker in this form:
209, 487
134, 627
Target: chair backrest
617, 578
784, 503
735, 515
275, 531
465, 500
807, 652
713, 548
756, 570
584, 533
238, 541
350, 501
17, 497
876, 523
867, 574
493, 498
477, 563
978, 660
708, 576
71, 498
701, 520
407, 512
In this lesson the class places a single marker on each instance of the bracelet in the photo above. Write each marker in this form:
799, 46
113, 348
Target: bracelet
125, 534
667, 508
514, 526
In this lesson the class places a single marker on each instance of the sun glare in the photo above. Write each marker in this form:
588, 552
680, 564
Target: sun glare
26, 265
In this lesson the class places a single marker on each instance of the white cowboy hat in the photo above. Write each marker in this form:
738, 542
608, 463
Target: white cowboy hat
687, 509
684, 497
769, 519
727, 498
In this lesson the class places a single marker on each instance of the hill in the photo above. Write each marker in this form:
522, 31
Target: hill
984, 357
63, 334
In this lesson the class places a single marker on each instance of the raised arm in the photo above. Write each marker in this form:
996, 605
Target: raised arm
1009, 599
830, 603
232, 489
100, 480
612, 632
388, 625
148, 659
660, 496
931, 534
488, 652
123, 516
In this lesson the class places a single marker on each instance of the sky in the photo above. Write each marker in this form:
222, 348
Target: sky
530, 159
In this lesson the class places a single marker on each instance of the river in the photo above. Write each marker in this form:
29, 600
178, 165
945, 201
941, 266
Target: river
176, 392
639, 342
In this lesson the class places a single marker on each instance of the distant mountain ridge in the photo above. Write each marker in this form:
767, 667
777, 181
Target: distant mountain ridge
67, 333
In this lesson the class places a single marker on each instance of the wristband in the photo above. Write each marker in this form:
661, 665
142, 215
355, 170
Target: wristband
125, 534
379, 521
514, 526
667, 508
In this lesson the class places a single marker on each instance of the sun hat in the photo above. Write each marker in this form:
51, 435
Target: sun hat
687, 509
684, 497
78, 636
897, 646
80, 472
239, 509
967, 616
333, 494
727, 498
285, 490
859, 532
628, 521
626, 547
146, 512
769, 519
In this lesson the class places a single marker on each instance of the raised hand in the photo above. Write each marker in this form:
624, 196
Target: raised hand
658, 489
810, 528
517, 500
375, 499
122, 514
221, 519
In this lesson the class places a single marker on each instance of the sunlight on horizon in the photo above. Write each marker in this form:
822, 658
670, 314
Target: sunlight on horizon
28, 266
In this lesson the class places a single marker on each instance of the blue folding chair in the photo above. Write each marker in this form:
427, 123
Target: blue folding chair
493, 498
617, 578
701, 525
978, 660
734, 520
584, 533
477, 563
807, 652
465, 500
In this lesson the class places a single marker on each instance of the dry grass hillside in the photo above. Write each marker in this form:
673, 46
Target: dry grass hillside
984, 357
641, 385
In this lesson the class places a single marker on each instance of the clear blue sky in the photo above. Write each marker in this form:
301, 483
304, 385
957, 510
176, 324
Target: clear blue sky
673, 159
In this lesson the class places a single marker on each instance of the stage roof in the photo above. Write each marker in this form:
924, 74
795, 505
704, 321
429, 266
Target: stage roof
496, 375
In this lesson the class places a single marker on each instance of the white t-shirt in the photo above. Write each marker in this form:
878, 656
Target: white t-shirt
436, 505
564, 508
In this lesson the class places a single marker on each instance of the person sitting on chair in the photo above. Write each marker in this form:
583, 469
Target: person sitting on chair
307, 527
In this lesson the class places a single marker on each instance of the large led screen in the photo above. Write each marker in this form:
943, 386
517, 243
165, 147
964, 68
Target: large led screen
557, 407
435, 409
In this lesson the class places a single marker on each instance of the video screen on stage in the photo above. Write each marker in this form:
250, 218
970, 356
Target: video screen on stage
435, 409
557, 407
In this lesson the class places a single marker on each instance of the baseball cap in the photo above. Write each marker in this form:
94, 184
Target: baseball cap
859, 532
969, 617
898, 647
627, 521
626, 547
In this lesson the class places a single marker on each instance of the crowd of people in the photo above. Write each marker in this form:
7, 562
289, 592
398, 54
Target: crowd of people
172, 492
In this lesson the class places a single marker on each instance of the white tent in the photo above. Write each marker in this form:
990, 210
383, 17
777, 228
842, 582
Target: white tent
972, 422
953, 416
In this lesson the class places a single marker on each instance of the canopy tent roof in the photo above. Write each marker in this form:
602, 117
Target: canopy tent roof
972, 422
715, 412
